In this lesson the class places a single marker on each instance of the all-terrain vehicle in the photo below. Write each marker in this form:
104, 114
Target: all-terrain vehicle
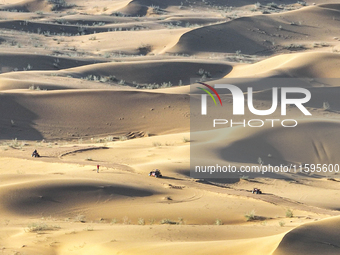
155, 173
35, 154
256, 191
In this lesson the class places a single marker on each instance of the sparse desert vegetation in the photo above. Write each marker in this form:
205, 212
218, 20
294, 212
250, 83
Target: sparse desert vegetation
250, 216
102, 90
40, 227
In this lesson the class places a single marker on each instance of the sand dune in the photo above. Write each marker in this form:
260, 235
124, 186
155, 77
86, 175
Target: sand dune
244, 144
311, 65
55, 197
18, 62
49, 110
123, 43
264, 34
167, 71
134, 9
315, 238
48, 28
95, 201
171, 72
75, 85
221, 3
28, 6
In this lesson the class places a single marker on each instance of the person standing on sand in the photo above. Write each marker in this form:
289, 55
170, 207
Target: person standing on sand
97, 168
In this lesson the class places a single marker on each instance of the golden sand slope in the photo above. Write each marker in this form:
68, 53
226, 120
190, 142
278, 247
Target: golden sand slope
311, 65
83, 210
313, 141
59, 204
76, 114
314, 238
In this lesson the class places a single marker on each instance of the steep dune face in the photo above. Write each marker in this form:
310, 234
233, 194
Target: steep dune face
80, 113
311, 65
24, 117
312, 142
134, 8
28, 6
130, 43
264, 34
332, 5
221, 38
144, 72
314, 238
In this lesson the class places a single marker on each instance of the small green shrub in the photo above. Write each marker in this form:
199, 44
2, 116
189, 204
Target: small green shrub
186, 140
244, 177
126, 221
218, 222
80, 218
89, 228
123, 138
289, 213
250, 216
121, 82
40, 226
141, 221
326, 106
156, 144
167, 221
